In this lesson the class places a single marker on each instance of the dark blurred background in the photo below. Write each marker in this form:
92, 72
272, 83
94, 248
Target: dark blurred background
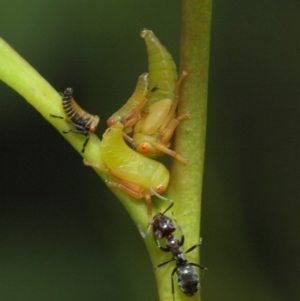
64, 236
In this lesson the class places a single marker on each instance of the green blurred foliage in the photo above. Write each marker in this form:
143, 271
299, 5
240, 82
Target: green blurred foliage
64, 236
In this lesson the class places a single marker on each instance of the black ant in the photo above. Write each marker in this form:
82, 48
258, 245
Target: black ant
82, 120
187, 278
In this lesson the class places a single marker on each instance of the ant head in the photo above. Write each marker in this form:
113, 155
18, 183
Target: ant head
162, 225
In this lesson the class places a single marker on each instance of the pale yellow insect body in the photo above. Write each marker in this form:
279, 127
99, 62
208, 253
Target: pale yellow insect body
134, 173
129, 112
153, 132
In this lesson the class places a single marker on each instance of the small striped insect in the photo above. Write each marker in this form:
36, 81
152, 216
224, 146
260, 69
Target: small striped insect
138, 176
129, 112
80, 119
153, 132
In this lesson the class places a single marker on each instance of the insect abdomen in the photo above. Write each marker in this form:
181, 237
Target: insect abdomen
188, 280
125, 163
76, 113
162, 69
136, 99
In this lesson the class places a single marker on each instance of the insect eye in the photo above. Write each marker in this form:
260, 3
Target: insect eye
143, 148
160, 189
92, 128
111, 121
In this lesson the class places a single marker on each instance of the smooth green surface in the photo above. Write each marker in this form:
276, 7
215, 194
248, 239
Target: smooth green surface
65, 236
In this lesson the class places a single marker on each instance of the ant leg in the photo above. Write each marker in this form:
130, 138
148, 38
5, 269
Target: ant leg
172, 281
144, 234
199, 266
182, 235
160, 247
168, 209
192, 248
162, 264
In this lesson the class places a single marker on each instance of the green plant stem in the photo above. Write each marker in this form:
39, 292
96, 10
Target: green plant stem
186, 181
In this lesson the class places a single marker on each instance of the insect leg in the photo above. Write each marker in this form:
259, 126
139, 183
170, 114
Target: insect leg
168, 132
128, 138
172, 281
82, 132
182, 235
76, 125
162, 264
175, 102
160, 247
55, 116
192, 248
170, 152
96, 165
77, 130
131, 118
136, 192
131, 189
134, 115
87, 138
127, 187
199, 266
144, 234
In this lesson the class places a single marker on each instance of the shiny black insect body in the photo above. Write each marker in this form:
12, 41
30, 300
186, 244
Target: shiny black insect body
80, 119
163, 227
187, 278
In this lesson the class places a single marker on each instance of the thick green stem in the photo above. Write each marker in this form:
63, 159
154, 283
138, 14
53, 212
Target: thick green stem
186, 181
